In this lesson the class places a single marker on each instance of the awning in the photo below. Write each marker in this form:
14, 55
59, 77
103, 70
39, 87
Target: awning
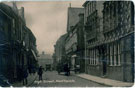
34, 55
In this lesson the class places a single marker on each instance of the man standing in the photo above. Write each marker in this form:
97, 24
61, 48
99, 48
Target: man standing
40, 72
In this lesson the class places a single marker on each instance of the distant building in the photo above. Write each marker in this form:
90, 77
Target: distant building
59, 54
46, 61
74, 45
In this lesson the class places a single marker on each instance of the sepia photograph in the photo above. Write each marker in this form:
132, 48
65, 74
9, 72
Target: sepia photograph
67, 43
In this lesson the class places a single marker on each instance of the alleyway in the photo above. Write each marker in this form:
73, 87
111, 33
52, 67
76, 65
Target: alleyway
52, 79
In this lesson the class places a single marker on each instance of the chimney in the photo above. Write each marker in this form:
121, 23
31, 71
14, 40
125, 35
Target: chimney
15, 7
22, 12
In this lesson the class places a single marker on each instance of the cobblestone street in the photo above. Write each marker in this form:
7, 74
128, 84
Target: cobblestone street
52, 79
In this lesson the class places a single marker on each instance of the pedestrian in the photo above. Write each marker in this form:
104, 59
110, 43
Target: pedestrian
67, 69
25, 75
40, 72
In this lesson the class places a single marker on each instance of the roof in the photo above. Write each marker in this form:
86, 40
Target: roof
61, 38
73, 17
9, 10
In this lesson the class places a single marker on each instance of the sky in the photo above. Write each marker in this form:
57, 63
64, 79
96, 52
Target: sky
47, 20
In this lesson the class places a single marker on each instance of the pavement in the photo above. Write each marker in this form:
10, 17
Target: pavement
105, 81
31, 78
53, 79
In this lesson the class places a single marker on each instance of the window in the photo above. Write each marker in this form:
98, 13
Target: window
88, 54
115, 54
119, 54
94, 56
111, 55
90, 57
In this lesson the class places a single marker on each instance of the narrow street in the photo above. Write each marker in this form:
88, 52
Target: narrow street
52, 79
95, 38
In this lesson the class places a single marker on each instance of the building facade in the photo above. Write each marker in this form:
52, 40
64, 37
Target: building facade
14, 41
75, 40
46, 61
109, 39
59, 48
93, 37
118, 29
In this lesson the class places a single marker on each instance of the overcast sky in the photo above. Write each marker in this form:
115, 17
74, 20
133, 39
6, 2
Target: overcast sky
47, 20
